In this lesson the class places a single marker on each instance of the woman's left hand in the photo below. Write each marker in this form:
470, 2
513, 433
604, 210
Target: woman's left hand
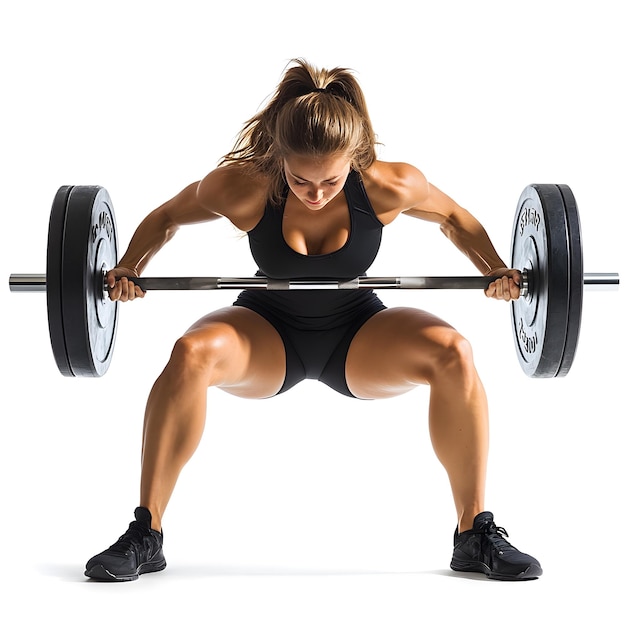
505, 285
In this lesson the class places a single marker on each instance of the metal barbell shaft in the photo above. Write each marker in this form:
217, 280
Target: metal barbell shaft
27, 282
37, 282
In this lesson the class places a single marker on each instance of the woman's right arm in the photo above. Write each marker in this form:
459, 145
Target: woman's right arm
154, 231
225, 191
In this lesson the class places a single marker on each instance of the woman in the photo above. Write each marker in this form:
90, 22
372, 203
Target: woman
304, 182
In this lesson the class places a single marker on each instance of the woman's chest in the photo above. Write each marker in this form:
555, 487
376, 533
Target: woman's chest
315, 232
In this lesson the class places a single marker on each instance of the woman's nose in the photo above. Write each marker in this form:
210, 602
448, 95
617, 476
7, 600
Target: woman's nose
315, 194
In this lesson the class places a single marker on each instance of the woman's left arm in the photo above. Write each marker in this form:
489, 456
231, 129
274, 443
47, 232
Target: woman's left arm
470, 237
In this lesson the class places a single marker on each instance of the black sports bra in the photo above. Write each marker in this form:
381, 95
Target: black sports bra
276, 259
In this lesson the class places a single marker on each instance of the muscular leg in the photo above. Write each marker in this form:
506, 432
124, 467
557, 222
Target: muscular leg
233, 348
398, 349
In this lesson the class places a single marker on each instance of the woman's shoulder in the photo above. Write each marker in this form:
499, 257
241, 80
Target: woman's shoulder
235, 192
393, 187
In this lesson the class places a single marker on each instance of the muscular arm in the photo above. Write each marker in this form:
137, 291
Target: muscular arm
460, 227
225, 191
400, 188
159, 226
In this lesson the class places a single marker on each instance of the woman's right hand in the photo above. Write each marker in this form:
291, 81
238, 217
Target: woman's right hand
120, 283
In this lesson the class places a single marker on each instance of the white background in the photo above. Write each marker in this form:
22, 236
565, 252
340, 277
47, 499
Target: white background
311, 508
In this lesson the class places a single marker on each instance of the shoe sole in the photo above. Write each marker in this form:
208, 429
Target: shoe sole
100, 573
532, 572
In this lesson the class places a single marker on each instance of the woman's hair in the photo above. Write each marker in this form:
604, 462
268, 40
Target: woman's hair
314, 112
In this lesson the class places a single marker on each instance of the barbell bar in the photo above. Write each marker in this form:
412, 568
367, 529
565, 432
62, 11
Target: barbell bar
82, 246
37, 282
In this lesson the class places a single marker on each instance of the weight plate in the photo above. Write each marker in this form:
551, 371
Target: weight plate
87, 247
54, 259
576, 279
541, 245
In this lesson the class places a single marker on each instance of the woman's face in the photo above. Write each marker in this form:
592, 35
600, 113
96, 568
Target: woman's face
315, 181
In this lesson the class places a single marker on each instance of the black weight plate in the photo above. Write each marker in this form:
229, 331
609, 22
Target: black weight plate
89, 249
54, 259
540, 244
576, 279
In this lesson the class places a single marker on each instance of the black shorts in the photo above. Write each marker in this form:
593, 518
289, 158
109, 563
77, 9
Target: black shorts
317, 327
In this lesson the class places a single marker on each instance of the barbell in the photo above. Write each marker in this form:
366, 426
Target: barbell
82, 246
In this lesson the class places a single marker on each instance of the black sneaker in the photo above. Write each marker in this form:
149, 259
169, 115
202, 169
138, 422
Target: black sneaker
484, 549
138, 551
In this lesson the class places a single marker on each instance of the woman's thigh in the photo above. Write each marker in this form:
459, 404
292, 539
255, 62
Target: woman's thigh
395, 350
244, 352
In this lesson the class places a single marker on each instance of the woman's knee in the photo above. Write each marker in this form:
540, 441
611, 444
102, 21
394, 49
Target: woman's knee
204, 349
453, 356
